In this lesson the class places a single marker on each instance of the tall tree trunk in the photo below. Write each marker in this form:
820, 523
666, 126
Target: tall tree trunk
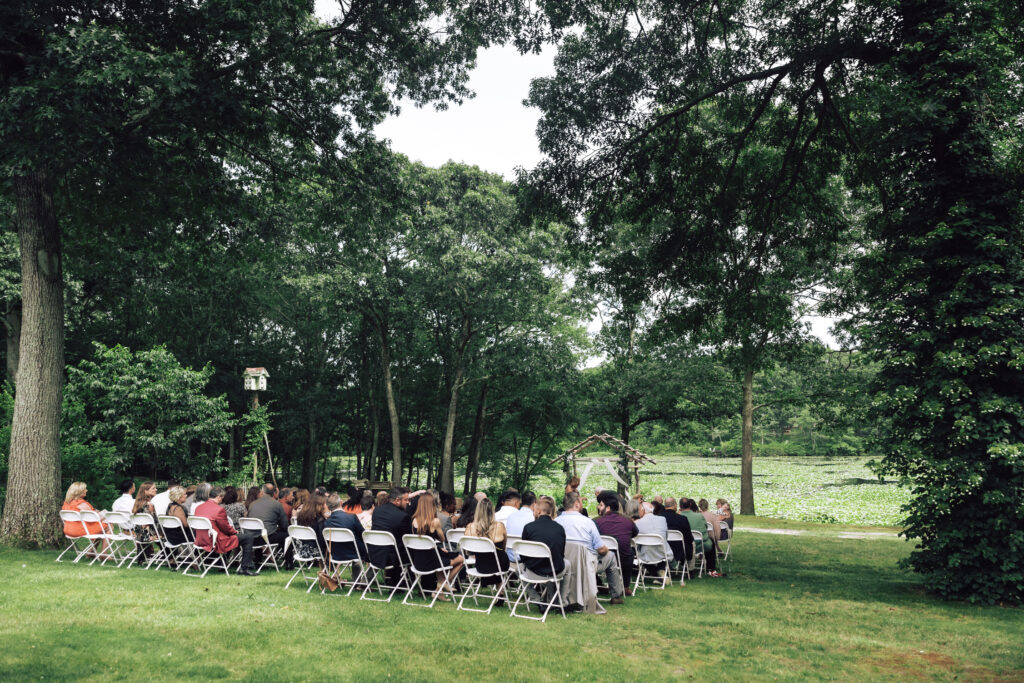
309, 461
447, 479
476, 443
33, 480
624, 433
389, 393
371, 459
12, 321
747, 471
231, 450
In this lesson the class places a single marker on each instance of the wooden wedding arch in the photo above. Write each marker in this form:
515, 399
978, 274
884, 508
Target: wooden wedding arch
633, 458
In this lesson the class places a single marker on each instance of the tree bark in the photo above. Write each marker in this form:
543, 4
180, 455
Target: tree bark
747, 470
476, 443
447, 479
12, 321
309, 461
34, 478
389, 393
625, 431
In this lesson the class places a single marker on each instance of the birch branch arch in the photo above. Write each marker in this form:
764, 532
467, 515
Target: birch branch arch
631, 458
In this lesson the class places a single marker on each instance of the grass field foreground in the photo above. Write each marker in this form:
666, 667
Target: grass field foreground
812, 606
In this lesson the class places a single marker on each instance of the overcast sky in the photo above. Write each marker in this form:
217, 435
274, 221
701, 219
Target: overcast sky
492, 130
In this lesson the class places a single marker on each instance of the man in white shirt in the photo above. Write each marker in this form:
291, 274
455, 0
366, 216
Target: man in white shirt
126, 501
162, 500
509, 506
650, 523
518, 520
581, 529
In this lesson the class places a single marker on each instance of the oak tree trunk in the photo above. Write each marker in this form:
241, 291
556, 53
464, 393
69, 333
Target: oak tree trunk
34, 480
389, 393
12, 321
747, 470
476, 444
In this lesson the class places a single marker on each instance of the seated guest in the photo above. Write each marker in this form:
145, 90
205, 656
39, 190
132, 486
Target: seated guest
622, 529
227, 538
545, 530
526, 513
75, 500
354, 504
190, 497
466, 516
285, 497
270, 511
486, 525
650, 523
234, 508
681, 550
299, 499
144, 499
509, 504
126, 501
426, 523
162, 500
391, 517
201, 495
573, 486
698, 523
581, 529
445, 511
176, 497
250, 497
340, 518
479, 495
366, 516
724, 515
380, 499
313, 514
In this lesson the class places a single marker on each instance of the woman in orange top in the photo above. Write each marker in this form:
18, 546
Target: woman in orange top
75, 500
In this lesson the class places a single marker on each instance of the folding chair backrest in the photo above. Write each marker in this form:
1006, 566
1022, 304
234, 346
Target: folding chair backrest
143, 519
341, 536
200, 523
301, 533
417, 542
169, 522
476, 544
379, 538
91, 517
698, 542
453, 536
121, 519
611, 542
71, 517
675, 535
532, 549
253, 524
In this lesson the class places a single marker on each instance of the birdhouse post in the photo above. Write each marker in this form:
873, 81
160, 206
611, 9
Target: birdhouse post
255, 381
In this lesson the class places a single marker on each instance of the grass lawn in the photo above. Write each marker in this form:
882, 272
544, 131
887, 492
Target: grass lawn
810, 606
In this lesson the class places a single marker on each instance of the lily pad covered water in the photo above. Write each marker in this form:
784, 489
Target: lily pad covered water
832, 490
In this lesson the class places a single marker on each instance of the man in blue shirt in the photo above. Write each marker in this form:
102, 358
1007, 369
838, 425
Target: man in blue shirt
583, 530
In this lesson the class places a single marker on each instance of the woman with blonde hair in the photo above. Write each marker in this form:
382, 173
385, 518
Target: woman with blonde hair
176, 509
75, 500
426, 523
484, 526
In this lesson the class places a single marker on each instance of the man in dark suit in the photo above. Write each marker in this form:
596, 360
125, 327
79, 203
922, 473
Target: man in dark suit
679, 523
545, 530
392, 517
339, 519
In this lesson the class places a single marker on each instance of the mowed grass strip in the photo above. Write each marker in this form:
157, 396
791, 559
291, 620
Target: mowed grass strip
814, 606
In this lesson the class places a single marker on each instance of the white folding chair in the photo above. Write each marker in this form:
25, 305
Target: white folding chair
612, 544
382, 539
73, 518
182, 554
425, 565
453, 536
699, 561
336, 536
676, 536
482, 547
529, 579
144, 520
306, 554
207, 559
121, 524
257, 525
108, 541
657, 552
725, 539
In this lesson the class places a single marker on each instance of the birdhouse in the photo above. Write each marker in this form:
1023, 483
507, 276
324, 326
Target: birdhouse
255, 379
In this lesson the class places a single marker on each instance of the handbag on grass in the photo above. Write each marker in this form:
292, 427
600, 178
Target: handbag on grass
326, 581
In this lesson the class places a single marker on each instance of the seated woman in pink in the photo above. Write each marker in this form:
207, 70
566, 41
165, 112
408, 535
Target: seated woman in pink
75, 500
